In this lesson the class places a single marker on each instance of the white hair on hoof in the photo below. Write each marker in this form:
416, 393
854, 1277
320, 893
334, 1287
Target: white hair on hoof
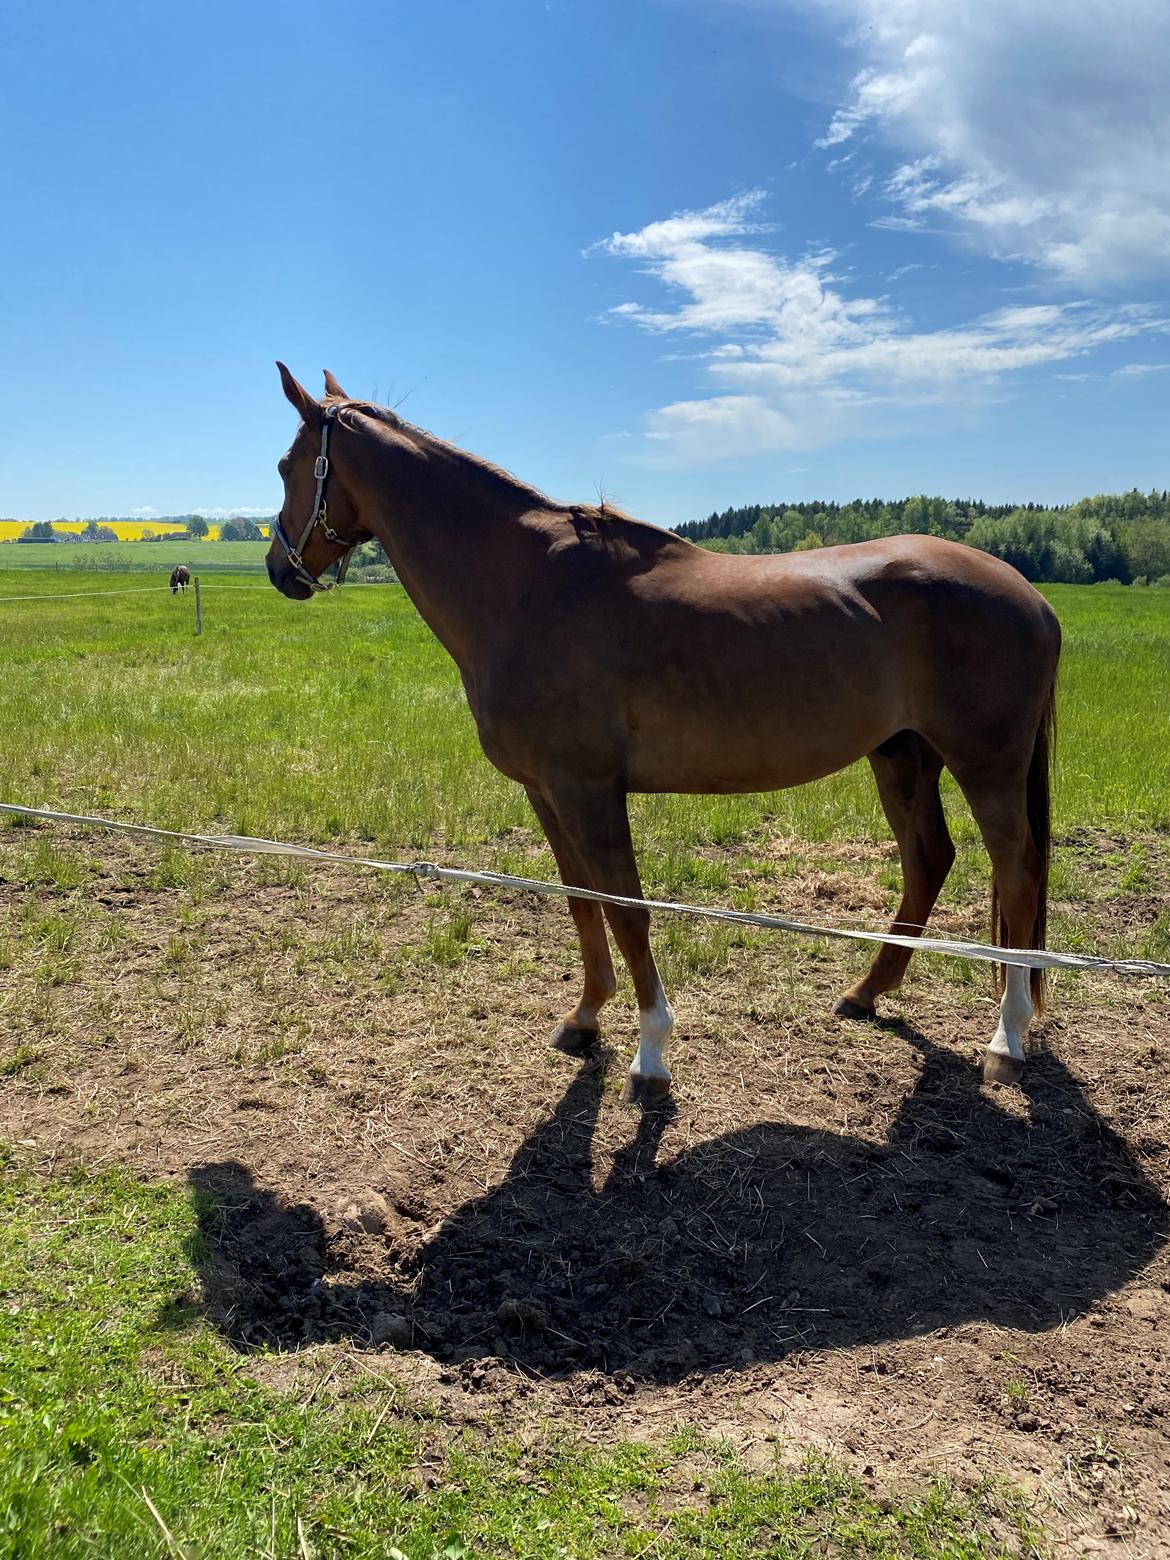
649, 1075
1003, 1061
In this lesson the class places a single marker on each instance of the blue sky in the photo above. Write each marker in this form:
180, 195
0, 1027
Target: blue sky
689, 253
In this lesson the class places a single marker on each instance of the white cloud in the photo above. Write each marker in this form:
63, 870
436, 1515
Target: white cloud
1139, 370
217, 512
208, 511
1040, 131
726, 219
721, 426
795, 360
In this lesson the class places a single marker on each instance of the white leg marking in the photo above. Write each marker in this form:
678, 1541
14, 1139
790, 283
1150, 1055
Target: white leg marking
654, 1027
1015, 1013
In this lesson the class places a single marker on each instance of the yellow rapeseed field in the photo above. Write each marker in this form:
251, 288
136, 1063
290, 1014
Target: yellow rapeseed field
125, 530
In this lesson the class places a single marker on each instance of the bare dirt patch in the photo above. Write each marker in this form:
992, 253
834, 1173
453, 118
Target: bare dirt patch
834, 1237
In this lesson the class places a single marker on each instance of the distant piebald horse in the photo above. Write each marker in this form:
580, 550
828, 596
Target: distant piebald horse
601, 655
180, 577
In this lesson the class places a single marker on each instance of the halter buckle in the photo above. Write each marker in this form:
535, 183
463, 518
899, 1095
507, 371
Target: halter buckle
321, 467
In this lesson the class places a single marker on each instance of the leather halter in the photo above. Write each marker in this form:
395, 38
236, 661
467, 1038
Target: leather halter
320, 516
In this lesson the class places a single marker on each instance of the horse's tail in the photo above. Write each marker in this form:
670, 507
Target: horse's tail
1039, 808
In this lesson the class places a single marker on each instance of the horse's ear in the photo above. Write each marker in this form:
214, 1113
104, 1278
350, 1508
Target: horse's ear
299, 397
333, 388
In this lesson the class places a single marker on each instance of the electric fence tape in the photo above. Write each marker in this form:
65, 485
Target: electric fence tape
1031, 958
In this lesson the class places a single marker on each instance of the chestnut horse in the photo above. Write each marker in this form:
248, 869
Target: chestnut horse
601, 655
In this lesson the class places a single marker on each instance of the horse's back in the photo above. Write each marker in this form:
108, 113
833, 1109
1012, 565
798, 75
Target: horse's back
892, 569
787, 667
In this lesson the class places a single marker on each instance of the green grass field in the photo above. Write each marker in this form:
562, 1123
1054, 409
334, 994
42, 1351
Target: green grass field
128, 1425
343, 719
59, 558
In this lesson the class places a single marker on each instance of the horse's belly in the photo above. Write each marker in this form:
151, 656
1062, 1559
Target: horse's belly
693, 756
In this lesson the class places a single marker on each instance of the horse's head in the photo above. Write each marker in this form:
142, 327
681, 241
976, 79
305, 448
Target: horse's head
318, 523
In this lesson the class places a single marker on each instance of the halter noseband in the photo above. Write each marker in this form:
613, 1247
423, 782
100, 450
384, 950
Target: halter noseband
320, 516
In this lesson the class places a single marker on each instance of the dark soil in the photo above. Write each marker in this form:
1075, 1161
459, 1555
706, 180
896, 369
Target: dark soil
835, 1236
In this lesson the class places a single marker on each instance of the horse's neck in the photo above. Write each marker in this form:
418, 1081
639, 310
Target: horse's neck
452, 529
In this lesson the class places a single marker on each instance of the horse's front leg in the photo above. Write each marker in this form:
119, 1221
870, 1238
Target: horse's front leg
578, 1031
596, 827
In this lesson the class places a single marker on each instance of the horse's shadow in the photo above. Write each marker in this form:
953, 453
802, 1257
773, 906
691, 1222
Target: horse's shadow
744, 1247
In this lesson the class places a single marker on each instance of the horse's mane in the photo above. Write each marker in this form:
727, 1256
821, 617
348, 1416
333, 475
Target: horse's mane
384, 414
602, 512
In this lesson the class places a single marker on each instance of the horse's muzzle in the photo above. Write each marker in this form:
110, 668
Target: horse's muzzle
284, 577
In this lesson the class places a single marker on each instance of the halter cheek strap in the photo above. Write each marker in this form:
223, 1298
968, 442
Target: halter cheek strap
318, 517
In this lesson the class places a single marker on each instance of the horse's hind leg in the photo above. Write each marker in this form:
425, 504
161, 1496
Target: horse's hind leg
578, 1030
907, 771
999, 807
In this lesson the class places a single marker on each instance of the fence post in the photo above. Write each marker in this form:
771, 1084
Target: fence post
198, 607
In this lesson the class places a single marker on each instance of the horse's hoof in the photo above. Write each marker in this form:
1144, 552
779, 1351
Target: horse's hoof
998, 1068
847, 1008
575, 1041
648, 1091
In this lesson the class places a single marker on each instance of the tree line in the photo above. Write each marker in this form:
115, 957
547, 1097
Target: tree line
1114, 536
